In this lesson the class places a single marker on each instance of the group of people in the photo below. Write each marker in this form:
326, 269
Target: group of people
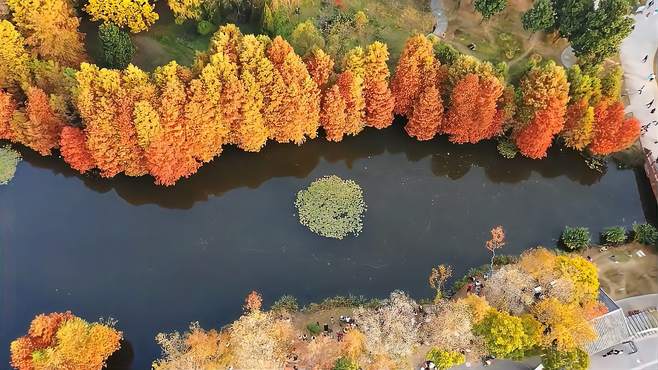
475, 285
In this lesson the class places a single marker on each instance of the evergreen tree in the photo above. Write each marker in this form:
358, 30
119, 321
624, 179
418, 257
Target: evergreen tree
489, 8
540, 17
118, 48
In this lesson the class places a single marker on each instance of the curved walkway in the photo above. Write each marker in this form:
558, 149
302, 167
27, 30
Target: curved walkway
643, 41
437, 8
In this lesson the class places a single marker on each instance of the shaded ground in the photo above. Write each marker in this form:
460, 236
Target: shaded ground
501, 38
623, 273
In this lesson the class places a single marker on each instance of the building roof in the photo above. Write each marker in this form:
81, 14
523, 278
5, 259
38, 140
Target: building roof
611, 328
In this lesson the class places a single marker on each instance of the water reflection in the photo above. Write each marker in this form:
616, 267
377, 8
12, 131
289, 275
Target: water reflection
236, 169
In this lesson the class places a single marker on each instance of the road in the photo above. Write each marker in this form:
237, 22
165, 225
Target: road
643, 41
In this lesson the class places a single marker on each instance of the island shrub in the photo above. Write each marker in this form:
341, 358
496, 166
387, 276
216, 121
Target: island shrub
613, 235
9, 159
286, 303
645, 234
314, 328
507, 148
332, 207
118, 48
205, 27
443, 359
344, 363
575, 238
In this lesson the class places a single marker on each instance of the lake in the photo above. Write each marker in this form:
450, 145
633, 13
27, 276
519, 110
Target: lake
157, 258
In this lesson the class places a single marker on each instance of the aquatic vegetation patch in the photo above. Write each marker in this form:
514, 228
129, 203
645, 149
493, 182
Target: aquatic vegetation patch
9, 159
331, 207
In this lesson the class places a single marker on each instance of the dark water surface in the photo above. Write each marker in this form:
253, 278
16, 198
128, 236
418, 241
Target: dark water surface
157, 258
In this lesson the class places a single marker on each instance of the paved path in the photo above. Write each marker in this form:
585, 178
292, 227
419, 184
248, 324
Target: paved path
645, 358
439, 13
642, 41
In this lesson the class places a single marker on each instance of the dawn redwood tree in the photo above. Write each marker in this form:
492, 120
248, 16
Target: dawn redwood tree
297, 113
73, 147
320, 65
584, 92
426, 118
252, 131
612, 132
13, 57
416, 59
473, 115
42, 128
379, 99
7, 109
50, 28
169, 157
351, 89
544, 96
489, 8
333, 116
136, 15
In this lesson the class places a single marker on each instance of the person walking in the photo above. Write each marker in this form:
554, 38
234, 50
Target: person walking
649, 104
652, 77
644, 60
639, 91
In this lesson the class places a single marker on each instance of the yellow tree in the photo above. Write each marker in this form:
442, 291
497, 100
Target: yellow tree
378, 96
13, 57
136, 15
50, 28
438, 278
351, 89
186, 9
252, 133
333, 115
566, 325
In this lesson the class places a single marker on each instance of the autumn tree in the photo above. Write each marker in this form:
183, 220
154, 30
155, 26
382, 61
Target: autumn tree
73, 148
448, 325
64, 341
438, 278
253, 302
496, 242
507, 336
407, 84
13, 57
508, 289
611, 83
50, 28
296, 113
426, 117
259, 341
186, 9
136, 15
567, 327
478, 307
392, 329
7, 109
612, 132
194, 349
584, 92
544, 95
473, 113
320, 66
169, 156
379, 99
333, 116
350, 86
41, 130
583, 275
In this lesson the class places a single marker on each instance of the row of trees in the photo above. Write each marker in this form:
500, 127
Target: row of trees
65, 341
248, 89
506, 321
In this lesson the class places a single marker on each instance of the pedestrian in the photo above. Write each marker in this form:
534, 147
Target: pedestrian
650, 4
644, 60
652, 77
639, 91
589, 258
649, 104
653, 111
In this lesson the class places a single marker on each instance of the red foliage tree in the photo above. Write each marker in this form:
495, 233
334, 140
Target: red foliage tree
7, 108
427, 115
319, 65
534, 139
41, 131
473, 114
73, 146
416, 60
333, 116
612, 132
379, 99
351, 92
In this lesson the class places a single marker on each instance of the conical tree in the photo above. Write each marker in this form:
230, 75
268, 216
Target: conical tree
427, 115
379, 99
417, 57
74, 149
333, 117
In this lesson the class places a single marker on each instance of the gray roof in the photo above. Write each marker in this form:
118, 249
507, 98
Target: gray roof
611, 328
